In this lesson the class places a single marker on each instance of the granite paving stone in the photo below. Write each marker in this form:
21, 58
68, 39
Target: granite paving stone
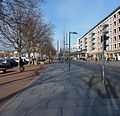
79, 111
44, 112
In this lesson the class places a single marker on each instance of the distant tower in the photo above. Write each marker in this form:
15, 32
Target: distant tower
66, 43
58, 48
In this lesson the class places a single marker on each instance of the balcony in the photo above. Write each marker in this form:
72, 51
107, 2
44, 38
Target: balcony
118, 23
119, 14
93, 48
92, 34
105, 25
92, 43
85, 43
107, 42
92, 39
85, 38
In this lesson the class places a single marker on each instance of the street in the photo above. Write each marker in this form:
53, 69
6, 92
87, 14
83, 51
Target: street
60, 92
111, 88
112, 69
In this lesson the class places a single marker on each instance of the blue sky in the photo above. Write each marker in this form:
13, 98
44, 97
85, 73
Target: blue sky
76, 15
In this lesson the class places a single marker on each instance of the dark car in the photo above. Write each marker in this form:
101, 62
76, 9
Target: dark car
12, 62
83, 58
25, 61
3, 66
7, 63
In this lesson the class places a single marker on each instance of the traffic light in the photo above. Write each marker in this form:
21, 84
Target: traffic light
104, 45
104, 38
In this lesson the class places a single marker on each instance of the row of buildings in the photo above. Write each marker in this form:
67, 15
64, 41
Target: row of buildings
90, 44
8, 53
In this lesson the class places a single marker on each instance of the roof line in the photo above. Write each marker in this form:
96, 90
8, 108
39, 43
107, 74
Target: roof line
102, 20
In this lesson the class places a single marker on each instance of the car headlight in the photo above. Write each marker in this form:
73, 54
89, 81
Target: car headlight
5, 61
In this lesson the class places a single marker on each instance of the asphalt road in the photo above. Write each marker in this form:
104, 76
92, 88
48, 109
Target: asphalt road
112, 71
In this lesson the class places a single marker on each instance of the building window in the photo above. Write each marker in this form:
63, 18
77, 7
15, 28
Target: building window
79, 41
119, 12
118, 29
119, 45
118, 21
114, 30
115, 16
114, 23
115, 38
119, 37
114, 45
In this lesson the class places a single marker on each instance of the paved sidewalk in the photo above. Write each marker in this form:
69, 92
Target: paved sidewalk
59, 92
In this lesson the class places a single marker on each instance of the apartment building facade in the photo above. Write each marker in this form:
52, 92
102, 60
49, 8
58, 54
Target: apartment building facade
7, 53
90, 44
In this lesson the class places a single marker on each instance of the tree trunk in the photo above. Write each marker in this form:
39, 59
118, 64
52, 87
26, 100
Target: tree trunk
19, 55
35, 60
29, 56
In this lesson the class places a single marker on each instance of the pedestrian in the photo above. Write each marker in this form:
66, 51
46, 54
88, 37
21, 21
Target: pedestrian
108, 59
21, 68
21, 62
49, 59
96, 59
33, 60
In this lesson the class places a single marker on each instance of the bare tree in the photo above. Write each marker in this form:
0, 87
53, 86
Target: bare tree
22, 27
13, 15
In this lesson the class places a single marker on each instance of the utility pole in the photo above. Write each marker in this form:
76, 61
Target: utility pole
64, 48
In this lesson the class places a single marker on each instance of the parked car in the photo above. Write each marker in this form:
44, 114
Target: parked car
12, 62
7, 63
25, 61
83, 58
3, 66
16, 59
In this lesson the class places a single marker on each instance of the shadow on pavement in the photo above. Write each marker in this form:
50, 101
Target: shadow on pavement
104, 90
12, 72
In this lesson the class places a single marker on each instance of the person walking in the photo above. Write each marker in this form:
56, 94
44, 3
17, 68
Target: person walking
21, 68
96, 59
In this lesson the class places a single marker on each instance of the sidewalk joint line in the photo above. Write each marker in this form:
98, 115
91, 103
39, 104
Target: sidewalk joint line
61, 111
26, 112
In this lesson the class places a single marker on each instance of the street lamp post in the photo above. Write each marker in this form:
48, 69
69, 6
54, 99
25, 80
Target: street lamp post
69, 46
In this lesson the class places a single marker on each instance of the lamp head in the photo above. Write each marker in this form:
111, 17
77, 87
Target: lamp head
73, 32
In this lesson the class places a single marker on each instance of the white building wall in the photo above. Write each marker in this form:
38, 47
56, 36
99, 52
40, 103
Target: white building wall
94, 46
